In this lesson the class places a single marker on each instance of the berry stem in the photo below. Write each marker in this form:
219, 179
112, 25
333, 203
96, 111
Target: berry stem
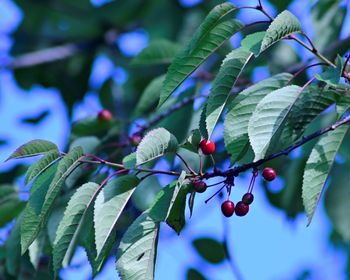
215, 193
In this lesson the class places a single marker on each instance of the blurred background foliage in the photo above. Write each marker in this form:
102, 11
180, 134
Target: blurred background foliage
90, 50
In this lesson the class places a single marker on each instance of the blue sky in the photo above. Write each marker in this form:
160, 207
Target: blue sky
264, 244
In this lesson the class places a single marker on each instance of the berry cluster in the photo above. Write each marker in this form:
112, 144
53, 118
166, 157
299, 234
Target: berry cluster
228, 208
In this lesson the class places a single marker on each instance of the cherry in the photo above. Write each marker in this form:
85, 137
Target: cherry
241, 209
248, 198
135, 139
207, 146
105, 115
200, 186
269, 174
228, 208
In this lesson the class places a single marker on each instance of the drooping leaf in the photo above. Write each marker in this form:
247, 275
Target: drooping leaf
231, 68
40, 203
13, 249
318, 167
159, 51
150, 96
283, 25
109, 205
156, 143
252, 42
33, 148
241, 109
70, 225
176, 213
212, 33
331, 75
210, 249
136, 255
269, 117
38, 167
191, 201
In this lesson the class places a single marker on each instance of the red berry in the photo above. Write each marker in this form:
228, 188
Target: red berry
269, 174
105, 115
207, 146
228, 208
200, 186
135, 139
241, 209
248, 198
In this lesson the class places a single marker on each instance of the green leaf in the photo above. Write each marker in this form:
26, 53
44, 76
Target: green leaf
318, 167
284, 24
30, 223
33, 148
231, 68
156, 143
212, 33
109, 205
209, 249
39, 207
337, 200
241, 109
308, 106
159, 51
10, 205
191, 201
269, 117
252, 42
150, 96
202, 122
332, 75
38, 167
70, 225
192, 141
176, 212
194, 274
136, 255
13, 249
89, 144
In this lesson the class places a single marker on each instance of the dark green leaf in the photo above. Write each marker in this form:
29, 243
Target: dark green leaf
209, 249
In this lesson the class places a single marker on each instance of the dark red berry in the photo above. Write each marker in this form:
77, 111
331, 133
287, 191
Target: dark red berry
105, 115
241, 209
248, 198
228, 208
135, 139
207, 146
200, 186
269, 174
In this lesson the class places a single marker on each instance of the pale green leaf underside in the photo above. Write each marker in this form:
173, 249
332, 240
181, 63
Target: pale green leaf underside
241, 109
137, 251
156, 143
283, 25
68, 229
212, 33
38, 167
318, 167
33, 148
269, 117
159, 51
38, 219
231, 68
109, 205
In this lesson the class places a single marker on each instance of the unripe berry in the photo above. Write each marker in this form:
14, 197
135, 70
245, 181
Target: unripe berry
199, 186
228, 208
207, 146
269, 174
241, 209
248, 198
105, 115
